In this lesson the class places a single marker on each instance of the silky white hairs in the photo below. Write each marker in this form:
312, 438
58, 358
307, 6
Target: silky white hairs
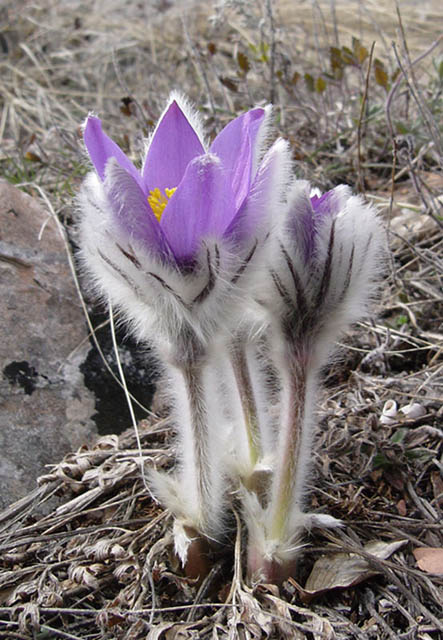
322, 271
242, 330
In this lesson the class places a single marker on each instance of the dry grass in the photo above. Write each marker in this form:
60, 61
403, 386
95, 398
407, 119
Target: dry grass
99, 564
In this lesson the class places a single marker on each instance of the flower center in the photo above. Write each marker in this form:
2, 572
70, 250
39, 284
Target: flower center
158, 200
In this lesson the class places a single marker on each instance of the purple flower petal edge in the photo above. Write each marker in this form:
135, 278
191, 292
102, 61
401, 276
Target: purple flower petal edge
234, 145
173, 146
258, 211
131, 210
101, 148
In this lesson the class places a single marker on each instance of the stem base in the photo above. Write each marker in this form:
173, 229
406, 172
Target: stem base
269, 570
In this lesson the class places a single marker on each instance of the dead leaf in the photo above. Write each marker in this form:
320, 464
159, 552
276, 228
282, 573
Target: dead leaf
171, 630
33, 157
310, 82
252, 615
127, 106
336, 61
159, 629
269, 596
401, 507
359, 50
381, 77
243, 62
394, 478
320, 84
229, 83
322, 629
343, 570
429, 559
437, 487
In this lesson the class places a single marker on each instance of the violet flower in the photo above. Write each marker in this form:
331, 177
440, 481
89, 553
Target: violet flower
185, 193
170, 246
324, 266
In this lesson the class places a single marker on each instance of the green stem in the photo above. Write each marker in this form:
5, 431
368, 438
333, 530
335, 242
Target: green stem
193, 378
244, 385
283, 495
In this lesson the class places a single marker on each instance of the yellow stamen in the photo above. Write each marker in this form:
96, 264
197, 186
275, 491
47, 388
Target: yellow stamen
158, 200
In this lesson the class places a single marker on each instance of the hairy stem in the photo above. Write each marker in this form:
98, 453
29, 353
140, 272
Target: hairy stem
196, 466
243, 381
194, 494
272, 553
293, 440
285, 491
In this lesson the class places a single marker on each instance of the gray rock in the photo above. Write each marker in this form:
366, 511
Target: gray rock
45, 408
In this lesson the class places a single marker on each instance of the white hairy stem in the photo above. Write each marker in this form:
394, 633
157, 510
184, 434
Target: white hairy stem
197, 494
240, 367
329, 263
195, 469
293, 442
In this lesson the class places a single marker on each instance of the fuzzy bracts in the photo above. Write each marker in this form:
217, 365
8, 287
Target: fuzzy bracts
324, 267
242, 281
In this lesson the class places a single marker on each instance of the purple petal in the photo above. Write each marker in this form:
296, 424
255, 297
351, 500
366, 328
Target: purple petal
234, 145
308, 214
258, 213
132, 212
331, 202
173, 146
101, 148
202, 206
324, 204
301, 220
